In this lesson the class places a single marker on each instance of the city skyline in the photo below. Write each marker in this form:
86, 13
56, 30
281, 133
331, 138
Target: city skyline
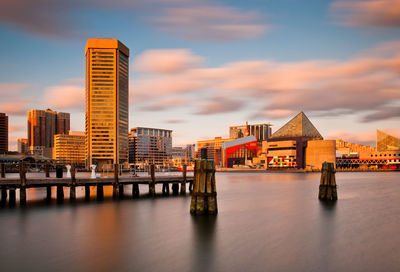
338, 61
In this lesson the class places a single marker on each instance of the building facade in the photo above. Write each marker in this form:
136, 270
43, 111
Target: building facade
22, 146
70, 148
107, 101
3, 133
150, 146
261, 131
212, 149
386, 142
42, 126
240, 151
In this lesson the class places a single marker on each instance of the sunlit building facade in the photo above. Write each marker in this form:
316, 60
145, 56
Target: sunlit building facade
3, 133
261, 131
150, 146
22, 146
212, 149
42, 126
107, 101
70, 148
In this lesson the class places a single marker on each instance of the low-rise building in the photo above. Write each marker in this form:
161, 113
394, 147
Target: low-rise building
70, 148
211, 149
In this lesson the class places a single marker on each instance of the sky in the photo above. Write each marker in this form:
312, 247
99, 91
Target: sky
200, 66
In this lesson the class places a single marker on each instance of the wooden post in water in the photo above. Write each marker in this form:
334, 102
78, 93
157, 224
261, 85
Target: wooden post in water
175, 188
11, 195
22, 190
135, 190
100, 192
87, 192
3, 170
116, 181
152, 184
72, 188
3, 196
183, 184
204, 200
60, 193
327, 187
48, 193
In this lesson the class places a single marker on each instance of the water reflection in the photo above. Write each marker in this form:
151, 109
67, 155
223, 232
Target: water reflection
204, 240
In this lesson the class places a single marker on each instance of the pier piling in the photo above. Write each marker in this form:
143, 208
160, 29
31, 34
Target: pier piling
11, 197
135, 190
116, 182
327, 187
87, 192
3, 170
48, 193
72, 191
3, 196
60, 193
152, 183
22, 189
183, 183
100, 192
204, 200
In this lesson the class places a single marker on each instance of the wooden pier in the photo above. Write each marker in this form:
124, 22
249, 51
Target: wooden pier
118, 182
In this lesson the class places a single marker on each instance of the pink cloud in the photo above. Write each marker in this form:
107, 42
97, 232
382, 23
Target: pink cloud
65, 97
165, 104
166, 60
373, 13
212, 23
12, 88
16, 106
174, 121
220, 104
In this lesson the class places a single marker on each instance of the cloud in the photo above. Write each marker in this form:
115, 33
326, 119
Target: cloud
220, 105
17, 106
165, 104
12, 88
357, 85
191, 20
211, 23
174, 121
383, 113
63, 97
166, 60
367, 13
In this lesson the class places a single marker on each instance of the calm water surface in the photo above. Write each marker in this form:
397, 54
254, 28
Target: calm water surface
266, 222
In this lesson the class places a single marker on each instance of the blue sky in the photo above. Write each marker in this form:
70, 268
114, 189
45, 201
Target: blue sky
199, 66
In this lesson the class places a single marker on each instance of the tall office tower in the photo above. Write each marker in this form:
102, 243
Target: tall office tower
3, 133
22, 145
42, 126
107, 101
150, 145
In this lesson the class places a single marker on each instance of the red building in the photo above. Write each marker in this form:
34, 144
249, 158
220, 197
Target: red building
238, 151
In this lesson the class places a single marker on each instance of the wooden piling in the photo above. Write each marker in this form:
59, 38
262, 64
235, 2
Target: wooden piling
152, 183
100, 192
121, 191
135, 190
47, 169
165, 188
87, 192
3, 196
60, 193
72, 188
48, 193
183, 183
116, 181
11, 196
327, 187
22, 190
3, 170
204, 200
175, 188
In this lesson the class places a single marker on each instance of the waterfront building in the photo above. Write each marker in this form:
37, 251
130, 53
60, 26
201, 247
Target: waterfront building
346, 149
286, 147
386, 142
22, 146
107, 101
190, 151
42, 126
70, 148
150, 145
319, 151
3, 133
240, 151
178, 152
211, 149
261, 131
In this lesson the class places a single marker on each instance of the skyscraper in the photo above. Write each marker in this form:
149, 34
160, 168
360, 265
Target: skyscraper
107, 101
42, 126
3, 133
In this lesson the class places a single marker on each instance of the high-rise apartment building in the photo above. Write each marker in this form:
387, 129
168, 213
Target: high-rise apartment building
3, 133
150, 145
70, 148
107, 101
42, 126
22, 146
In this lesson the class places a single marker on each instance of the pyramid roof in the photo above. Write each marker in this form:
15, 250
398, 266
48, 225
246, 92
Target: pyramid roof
298, 126
386, 142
